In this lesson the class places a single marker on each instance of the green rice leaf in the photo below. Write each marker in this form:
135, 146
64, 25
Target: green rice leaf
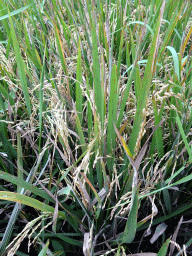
23, 184
69, 240
175, 61
145, 87
22, 199
184, 138
21, 66
98, 90
78, 87
158, 132
131, 225
15, 12
164, 248
43, 252
112, 112
19, 160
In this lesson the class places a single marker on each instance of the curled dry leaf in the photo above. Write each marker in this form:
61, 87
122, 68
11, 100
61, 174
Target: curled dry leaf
160, 229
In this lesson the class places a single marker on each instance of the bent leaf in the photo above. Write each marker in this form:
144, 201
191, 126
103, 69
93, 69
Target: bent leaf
20, 182
15, 197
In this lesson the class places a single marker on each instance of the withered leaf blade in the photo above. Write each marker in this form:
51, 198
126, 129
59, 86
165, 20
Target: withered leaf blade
144, 148
55, 216
160, 229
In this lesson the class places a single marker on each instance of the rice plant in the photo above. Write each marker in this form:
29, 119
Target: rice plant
95, 127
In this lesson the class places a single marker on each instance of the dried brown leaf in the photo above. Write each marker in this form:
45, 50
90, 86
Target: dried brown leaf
172, 246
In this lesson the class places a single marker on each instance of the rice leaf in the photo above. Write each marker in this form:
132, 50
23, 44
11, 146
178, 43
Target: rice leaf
15, 12
131, 225
184, 138
164, 248
19, 161
41, 102
78, 87
149, 70
23, 184
36, 204
69, 240
175, 61
112, 112
98, 90
158, 132
43, 252
21, 67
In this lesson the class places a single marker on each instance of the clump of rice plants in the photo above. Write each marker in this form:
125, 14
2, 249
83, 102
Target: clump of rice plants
95, 127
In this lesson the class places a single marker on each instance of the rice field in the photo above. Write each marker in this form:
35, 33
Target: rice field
95, 127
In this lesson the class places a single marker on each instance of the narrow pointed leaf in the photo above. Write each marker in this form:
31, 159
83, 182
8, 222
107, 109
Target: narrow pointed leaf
164, 248
148, 75
22, 199
21, 67
131, 225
